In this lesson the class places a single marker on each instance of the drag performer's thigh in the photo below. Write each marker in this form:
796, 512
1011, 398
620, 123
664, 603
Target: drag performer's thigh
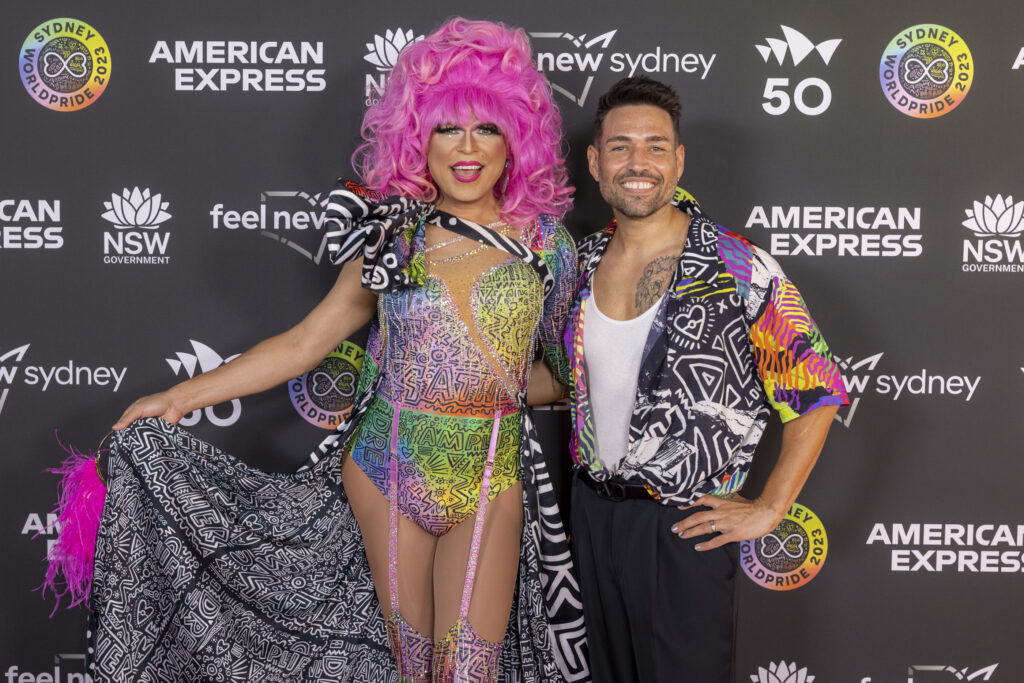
497, 568
416, 549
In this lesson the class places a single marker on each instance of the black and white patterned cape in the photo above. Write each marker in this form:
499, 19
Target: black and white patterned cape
209, 570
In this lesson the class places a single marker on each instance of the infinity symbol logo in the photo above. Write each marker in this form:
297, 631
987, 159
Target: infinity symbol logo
915, 64
779, 546
52, 59
323, 384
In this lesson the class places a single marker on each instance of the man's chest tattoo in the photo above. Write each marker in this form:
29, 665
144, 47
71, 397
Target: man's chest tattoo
653, 281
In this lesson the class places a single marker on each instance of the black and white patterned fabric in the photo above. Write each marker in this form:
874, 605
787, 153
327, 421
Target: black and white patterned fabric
732, 340
209, 570
363, 222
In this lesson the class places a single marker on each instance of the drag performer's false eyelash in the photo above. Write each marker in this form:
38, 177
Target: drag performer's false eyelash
449, 128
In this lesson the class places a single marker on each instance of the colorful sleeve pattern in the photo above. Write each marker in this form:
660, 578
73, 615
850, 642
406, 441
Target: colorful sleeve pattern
558, 250
792, 357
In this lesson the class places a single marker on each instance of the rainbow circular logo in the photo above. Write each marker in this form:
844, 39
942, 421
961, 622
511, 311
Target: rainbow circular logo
65, 64
791, 555
324, 395
926, 71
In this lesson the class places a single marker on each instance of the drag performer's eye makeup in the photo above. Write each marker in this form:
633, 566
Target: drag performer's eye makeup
452, 129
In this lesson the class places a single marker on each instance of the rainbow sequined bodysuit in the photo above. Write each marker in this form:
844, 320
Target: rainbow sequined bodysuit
454, 354
441, 437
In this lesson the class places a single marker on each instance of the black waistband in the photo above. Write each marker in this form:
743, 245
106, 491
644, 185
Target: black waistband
613, 490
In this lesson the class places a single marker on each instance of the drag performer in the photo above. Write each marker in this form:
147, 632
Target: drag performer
207, 569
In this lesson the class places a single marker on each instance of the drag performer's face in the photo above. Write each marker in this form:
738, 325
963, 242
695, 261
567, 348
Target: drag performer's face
638, 160
466, 160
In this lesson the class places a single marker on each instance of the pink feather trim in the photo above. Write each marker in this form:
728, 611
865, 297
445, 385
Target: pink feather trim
81, 493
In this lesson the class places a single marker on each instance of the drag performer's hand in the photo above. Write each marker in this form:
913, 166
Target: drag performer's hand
735, 519
160, 405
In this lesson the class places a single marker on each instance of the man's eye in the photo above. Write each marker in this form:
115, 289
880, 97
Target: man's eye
488, 129
445, 129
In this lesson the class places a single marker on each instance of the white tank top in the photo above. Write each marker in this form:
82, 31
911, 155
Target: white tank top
612, 351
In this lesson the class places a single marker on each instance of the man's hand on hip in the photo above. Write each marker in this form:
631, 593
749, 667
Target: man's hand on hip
733, 519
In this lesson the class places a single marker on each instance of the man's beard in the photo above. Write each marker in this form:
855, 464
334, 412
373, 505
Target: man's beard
635, 207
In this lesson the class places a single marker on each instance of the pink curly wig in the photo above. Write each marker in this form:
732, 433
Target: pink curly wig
468, 68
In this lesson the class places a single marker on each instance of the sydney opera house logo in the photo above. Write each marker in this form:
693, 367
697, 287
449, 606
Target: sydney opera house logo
798, 46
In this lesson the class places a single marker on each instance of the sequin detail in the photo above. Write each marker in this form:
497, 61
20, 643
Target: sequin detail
463, 656
414, 652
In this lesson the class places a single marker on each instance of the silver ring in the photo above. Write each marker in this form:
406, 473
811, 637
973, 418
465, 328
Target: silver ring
713, 529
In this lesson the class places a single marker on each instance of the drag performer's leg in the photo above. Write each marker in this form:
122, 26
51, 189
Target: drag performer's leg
410, 627
472, 599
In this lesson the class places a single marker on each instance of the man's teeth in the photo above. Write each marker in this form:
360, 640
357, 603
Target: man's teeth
638, 185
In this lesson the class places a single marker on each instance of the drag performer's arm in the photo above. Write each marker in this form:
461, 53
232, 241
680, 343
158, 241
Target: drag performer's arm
542, 388
345, 309
549, 378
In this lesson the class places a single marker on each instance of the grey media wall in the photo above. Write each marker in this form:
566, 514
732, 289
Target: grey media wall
917, 489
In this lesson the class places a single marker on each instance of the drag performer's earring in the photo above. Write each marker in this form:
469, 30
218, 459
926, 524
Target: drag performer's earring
504, 178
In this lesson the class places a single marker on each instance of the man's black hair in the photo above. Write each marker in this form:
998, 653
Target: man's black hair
638, 90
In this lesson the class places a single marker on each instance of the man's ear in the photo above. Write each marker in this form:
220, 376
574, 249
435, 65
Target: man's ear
680, 158
592, 162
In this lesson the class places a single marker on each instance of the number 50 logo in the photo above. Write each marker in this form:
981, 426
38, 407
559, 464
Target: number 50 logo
777, 99
811, 96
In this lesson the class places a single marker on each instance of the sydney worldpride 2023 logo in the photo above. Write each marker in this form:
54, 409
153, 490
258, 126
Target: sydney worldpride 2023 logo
324, 395
926, 71
791, 555
65, 64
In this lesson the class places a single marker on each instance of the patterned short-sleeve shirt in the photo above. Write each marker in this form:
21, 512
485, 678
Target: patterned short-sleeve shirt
732, 338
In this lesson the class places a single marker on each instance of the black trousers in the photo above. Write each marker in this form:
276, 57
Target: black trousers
656, 610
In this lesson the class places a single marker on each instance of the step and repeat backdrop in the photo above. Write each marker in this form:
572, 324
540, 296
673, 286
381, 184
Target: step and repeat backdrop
163, 177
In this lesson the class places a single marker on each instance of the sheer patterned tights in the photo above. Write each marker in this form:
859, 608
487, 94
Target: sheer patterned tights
432, 574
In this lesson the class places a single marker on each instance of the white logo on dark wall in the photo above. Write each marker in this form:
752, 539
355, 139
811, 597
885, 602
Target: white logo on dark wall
35, 526
292, 217
383, 54
810, 96
203, 359
859, 378
67, 668
996, 246
45, 377
252, 66
136, 215
781, 673
30, 224
951, 547
943, 673
572, 62
857, 231
962, 674
1019, 62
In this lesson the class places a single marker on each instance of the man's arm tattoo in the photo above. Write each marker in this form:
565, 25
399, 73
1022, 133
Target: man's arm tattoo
653, 281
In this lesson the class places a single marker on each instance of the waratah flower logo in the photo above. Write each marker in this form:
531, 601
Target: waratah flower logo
384, 49
781, 673
135, 208
996, 217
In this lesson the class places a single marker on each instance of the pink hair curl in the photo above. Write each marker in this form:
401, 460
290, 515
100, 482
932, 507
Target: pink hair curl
468, 68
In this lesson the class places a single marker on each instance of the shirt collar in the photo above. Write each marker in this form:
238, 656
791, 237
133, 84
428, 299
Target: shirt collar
699, 260
700, 253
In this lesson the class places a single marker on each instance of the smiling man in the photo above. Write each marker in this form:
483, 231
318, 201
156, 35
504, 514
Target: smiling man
683, 338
